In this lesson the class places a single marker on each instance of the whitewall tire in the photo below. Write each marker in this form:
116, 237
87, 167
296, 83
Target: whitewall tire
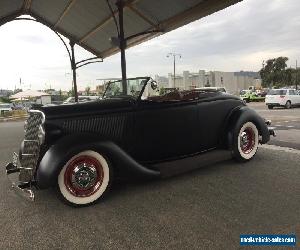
246, 142
84, 178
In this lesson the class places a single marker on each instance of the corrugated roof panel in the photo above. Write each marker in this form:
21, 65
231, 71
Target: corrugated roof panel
163, 10
133, 23
89, 22
49, 10
84, 16
8, 7
100, 40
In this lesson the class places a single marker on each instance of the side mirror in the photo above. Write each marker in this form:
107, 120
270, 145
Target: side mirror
154, 85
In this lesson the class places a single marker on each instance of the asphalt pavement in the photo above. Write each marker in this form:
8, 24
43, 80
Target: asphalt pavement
205, 209
286, 123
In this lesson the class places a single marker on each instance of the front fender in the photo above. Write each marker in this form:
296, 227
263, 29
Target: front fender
241, 115
58, 154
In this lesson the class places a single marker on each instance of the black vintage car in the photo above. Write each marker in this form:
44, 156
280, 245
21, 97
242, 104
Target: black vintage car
137, 133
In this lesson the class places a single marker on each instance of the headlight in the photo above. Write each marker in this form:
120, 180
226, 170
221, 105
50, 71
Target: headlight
41, 135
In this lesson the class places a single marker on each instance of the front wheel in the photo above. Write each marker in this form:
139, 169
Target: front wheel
84, 178
245, 142
270, 107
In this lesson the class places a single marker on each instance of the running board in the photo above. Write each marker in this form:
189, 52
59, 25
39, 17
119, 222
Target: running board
177, 167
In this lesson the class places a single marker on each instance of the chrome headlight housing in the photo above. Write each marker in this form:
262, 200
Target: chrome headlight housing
41, 134
25, 126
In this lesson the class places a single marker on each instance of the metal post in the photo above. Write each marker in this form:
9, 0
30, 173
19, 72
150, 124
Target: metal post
296, 78
174, 64
122, 45
73, 66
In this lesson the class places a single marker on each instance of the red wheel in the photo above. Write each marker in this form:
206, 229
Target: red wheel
84, 178
246, 142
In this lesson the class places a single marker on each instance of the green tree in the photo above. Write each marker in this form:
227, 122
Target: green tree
88, 90
274, 73
5, 99
296, 77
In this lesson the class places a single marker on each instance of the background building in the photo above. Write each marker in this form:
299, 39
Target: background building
232, 81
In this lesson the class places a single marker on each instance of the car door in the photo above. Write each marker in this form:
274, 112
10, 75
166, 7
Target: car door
164, 130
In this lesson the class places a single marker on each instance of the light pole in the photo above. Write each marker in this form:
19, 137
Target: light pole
296, 78
174, 63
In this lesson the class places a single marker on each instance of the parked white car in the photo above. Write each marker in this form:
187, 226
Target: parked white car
282, 98
5, 107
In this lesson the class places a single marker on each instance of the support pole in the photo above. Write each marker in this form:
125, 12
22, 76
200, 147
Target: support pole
73, 66
122, 45
174, 65
296, 78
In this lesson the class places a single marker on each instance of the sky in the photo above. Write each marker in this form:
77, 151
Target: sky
237, 38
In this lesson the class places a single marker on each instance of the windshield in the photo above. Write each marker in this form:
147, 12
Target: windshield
134, 87
277, 92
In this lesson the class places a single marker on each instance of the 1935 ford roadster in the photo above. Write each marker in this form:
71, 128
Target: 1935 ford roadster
137, 133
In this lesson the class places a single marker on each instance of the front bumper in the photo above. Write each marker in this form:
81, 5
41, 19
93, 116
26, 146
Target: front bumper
22, 185
271, 129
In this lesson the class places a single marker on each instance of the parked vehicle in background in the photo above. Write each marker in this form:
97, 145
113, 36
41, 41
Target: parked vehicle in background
5, 107
251, 96
17, 106
282, 98
220, 89
264, 92
81, 99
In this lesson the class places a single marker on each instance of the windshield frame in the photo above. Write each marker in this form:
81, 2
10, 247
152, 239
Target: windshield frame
147, 78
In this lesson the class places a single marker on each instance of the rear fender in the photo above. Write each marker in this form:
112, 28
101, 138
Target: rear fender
237, 118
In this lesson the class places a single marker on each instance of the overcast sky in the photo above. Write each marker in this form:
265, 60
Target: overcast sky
237, 38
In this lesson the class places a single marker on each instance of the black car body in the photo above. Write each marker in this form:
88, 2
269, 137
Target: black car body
139, 134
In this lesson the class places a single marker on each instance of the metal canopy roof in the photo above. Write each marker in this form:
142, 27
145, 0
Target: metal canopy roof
90, 23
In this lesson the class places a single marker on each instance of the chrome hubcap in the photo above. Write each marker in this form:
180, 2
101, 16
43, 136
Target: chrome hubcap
244, 139
84, 176
247, 140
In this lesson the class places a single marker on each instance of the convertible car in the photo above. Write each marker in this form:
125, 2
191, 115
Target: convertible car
141, 132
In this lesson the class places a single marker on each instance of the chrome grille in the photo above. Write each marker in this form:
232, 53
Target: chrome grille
31, 149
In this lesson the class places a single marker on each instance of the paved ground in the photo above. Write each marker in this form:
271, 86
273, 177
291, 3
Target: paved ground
286, 122
205, 209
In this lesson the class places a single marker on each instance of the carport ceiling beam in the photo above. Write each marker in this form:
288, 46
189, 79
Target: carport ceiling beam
105, 21
65, 12
26, 6
141, 15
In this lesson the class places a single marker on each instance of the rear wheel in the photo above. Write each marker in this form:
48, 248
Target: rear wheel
84, 179
270, 107
245, 142
288, 105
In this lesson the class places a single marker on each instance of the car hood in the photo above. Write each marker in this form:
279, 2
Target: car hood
88, 108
